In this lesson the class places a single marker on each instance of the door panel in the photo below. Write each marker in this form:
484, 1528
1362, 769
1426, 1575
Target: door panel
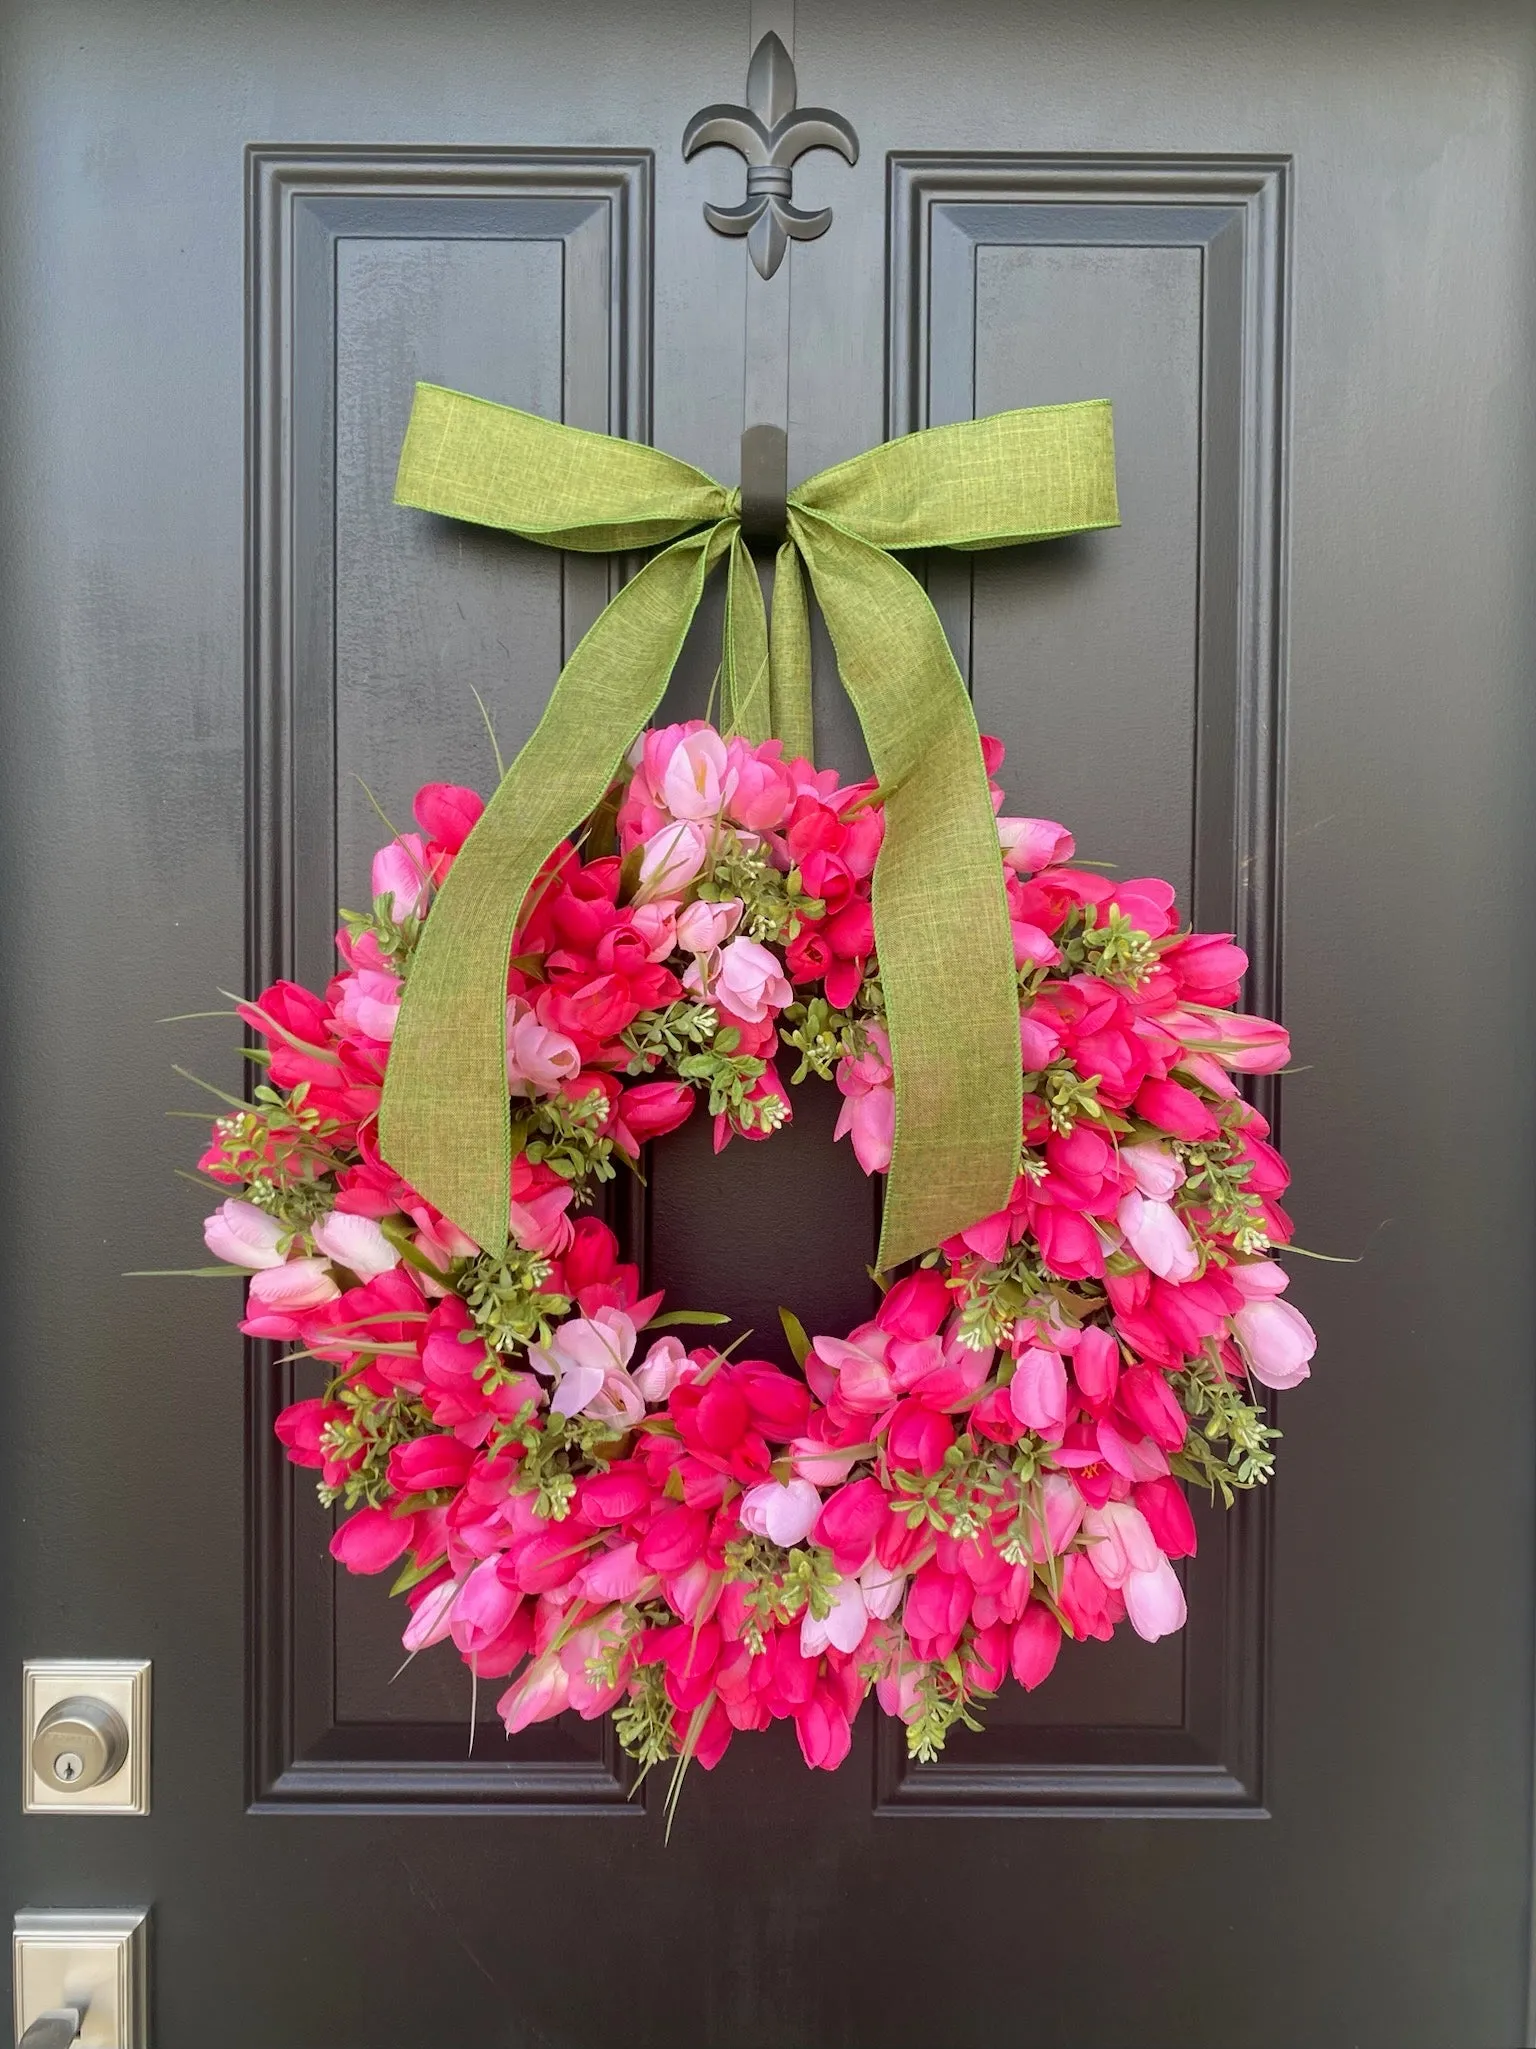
1294, 250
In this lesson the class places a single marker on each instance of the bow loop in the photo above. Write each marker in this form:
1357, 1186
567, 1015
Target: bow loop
941, 917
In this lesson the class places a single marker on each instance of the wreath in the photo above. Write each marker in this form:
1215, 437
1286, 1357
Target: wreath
688, 1538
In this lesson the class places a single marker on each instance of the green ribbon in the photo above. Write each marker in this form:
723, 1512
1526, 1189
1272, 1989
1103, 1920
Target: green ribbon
941, 917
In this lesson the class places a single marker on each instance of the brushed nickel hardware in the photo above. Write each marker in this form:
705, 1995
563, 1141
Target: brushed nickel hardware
86, 1732
83, 1971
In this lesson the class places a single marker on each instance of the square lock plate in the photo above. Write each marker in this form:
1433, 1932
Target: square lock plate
123, 1684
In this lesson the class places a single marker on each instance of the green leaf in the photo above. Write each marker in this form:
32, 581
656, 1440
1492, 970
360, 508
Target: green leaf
794, 1330
412, 1575
676, 1316
185, 1273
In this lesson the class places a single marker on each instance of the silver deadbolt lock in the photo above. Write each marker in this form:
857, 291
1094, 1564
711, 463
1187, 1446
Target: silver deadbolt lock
79, 1742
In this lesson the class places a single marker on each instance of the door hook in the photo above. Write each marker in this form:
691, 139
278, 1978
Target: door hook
764, 484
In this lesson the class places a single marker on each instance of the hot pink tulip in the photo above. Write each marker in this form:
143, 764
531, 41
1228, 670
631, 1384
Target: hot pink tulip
372, 1539
825, 1732
917, 1437
1034, 1645
1151, 1403
917, 1306
1276, 1340
1096, 1364
447, 813
485, 1605
1176, 1110
1163, 1503
850, 1520
652, 1108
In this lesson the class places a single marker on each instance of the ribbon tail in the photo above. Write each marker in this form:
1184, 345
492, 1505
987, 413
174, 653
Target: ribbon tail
445, 1120
746, 704
789, 649
941, 912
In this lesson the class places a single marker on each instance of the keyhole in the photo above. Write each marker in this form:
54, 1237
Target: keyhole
68, 1767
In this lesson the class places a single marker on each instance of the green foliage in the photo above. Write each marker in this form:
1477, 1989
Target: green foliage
780, 1584
396, 941
1231, 1448
1069, 1097
557, 1450
1116, 951
960, 1499
1215, 1172
774, 906
996, 1295
943, 1700
373, 1426
665, 1035
281, 1148
729, 1077
644, 1722
821, 1036
504, 1293
567, 1137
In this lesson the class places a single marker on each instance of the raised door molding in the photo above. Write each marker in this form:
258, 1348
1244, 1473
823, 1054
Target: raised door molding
945, 213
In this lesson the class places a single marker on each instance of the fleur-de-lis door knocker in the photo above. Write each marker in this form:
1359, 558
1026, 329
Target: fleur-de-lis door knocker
770, 135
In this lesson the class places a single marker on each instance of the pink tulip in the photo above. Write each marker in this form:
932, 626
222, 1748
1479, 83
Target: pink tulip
297, 1284
883, 1588
1030, 844
1276, 1340
1248, 1045
486, 1604
652, 1108
613, 1575
356, 1243
1039, 1040
1157, 1235
825, 1732
763, 791
917, 1437
587, 1357
1163, 1503
1096, 1364
784, 1514
850, 1520
702, 927
1258, 1279
539, 1695
1150, 1402
402, 874
670, 859
1038, 1391
538, 1060
917, 1306
244, 1235
698, 779
368, 1005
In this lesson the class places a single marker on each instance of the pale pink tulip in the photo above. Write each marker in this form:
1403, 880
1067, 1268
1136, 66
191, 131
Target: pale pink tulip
429, 1624
1276, 1340
701, 927
657, 925
784, 1514
1120, 1542
663, 1366
883, 1589
1156, 1234
538, 1060
1158, 1170
1258, 1279
589, 1354
842, 1627
1154, 1601
749, 981
244, 1235
356, 1243
297, 1284
698, 779
670, 859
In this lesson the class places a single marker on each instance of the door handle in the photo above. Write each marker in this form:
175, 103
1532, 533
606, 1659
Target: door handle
56, 2029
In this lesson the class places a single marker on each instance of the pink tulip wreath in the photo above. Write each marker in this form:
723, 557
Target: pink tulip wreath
697, 1542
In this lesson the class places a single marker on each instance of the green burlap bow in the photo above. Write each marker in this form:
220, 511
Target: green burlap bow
941, 917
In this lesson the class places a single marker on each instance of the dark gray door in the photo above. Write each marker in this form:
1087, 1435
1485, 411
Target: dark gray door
1293, 245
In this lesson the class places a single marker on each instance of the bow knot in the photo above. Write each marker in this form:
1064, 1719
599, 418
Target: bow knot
942, 933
